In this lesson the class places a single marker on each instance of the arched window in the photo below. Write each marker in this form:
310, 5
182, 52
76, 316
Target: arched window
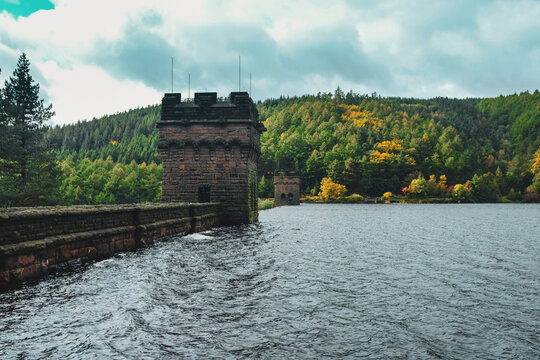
283, 197
290, 197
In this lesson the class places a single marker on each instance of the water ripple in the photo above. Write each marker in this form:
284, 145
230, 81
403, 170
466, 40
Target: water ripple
314, 281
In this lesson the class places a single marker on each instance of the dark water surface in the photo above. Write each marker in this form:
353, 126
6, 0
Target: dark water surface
314, 281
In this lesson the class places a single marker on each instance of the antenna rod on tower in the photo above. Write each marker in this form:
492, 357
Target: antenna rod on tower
189, 86
239, 70
250, 84
172, 72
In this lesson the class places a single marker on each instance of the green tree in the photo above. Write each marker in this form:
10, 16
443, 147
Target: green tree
484, 188
29, 175
368, 143
266, 187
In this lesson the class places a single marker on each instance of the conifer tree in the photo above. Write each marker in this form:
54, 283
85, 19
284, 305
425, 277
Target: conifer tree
28, 173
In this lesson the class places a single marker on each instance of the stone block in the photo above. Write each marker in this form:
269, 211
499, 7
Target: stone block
24, 260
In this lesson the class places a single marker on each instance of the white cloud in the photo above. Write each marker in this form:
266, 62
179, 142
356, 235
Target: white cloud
420, 87
505, 22
295, 21
87, 91
381, 37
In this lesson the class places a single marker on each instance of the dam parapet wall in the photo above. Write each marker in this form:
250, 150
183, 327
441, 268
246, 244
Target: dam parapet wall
35, 241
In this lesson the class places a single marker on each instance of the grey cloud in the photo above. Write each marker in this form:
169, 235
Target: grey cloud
140, 55
334, 53
337, 53
210, 54
495, 69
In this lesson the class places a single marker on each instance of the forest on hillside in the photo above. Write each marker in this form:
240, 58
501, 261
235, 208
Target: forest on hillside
39, 167
373, 145
127, 136
110, 160
368, 143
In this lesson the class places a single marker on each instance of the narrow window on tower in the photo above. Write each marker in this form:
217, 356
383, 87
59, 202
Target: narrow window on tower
204, 193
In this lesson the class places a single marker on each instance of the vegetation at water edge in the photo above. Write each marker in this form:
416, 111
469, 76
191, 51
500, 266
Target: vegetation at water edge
265, 204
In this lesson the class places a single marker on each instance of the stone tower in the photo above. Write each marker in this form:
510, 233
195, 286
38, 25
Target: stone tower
210, 151
286, 189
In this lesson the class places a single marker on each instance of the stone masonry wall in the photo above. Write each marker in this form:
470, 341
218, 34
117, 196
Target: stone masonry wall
286, 190
34, 241
213, 147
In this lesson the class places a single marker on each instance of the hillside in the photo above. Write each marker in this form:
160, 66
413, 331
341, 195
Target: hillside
368, 143
126, 136
373, 145
104, 161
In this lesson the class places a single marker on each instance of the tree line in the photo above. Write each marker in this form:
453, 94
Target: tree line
103, 161
127, 136
369, 144
374, 145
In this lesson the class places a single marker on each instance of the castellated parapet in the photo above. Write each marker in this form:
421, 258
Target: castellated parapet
210, 151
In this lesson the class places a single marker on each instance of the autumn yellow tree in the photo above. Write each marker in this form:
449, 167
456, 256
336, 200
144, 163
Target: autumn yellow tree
389, 152
359, 117
536, 163
418, 187
331, 190
442, 183
432, 186
532, 193
462, 192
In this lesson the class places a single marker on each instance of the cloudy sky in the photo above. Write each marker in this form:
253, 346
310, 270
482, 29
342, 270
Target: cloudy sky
94, 57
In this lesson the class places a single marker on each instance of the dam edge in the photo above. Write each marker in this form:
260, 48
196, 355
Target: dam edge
34, 242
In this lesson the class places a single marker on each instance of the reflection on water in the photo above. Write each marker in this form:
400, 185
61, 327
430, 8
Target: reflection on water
357, 281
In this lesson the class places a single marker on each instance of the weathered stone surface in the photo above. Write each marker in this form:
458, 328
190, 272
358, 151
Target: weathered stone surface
210, 151
286, 190
88, 232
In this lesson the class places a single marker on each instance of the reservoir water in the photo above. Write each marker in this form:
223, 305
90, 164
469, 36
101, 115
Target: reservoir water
313, 281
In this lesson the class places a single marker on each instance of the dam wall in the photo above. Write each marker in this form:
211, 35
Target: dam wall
36, 241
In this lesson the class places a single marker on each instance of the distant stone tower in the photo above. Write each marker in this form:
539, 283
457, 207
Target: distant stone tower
286, 189
210, 151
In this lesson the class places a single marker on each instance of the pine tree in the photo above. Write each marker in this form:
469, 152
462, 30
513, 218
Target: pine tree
29, 174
